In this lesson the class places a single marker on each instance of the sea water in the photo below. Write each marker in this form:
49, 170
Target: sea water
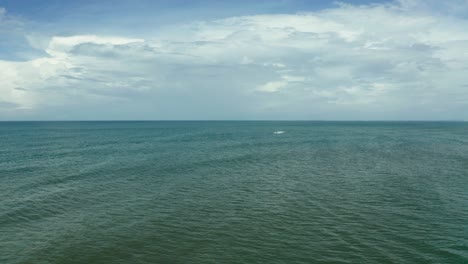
233, 192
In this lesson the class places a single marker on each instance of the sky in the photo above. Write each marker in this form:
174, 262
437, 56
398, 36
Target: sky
234, 60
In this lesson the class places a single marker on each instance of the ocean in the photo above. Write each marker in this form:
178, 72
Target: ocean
233, 192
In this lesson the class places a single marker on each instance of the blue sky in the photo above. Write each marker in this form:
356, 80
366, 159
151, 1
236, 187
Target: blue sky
56, 10
285, 59
141, 16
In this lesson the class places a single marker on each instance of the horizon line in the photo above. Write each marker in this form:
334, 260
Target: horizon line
235, 120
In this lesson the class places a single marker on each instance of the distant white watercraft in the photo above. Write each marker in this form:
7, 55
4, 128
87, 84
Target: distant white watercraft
279, 132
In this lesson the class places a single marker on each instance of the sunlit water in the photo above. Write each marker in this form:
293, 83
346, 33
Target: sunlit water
233, 192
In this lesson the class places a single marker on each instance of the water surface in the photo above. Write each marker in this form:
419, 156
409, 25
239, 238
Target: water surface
233, 192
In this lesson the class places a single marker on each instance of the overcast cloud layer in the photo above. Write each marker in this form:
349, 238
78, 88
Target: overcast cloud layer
405, 60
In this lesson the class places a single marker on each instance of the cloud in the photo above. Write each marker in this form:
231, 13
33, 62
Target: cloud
380, 61
285, 81
451, 8
7, 105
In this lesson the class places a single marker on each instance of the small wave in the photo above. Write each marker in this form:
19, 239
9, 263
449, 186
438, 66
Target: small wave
279, 132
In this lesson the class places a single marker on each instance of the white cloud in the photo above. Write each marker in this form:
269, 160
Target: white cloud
283, 83
63, 45
272, 86
383, 61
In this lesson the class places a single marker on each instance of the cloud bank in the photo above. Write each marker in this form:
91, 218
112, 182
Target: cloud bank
403, 60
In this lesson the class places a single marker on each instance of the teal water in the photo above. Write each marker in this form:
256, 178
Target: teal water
233, 192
